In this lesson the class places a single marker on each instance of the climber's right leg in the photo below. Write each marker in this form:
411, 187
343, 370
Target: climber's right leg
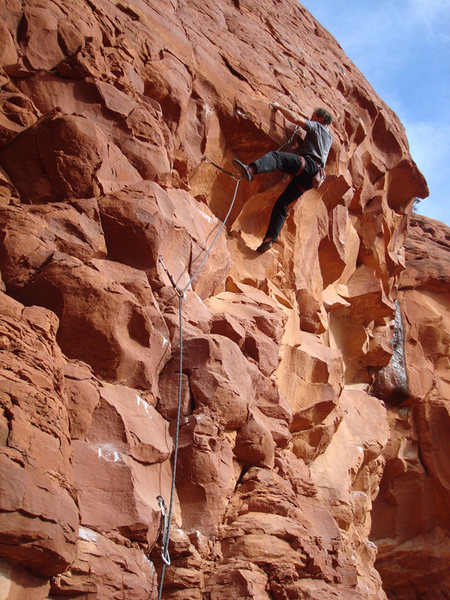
286, 162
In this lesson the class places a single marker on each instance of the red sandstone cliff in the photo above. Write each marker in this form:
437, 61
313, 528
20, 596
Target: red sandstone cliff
410, 515
289, 421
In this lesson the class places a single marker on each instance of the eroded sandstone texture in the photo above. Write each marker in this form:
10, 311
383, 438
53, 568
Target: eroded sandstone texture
290, 413
410, 515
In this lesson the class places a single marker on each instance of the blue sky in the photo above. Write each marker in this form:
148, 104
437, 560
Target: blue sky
403, 49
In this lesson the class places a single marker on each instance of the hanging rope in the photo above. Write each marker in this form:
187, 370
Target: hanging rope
167, 514
210, 162
207, 253
290, 140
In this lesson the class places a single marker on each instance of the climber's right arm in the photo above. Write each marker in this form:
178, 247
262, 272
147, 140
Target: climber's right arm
289, 114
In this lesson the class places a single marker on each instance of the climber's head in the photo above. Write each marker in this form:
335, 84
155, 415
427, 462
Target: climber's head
321, 115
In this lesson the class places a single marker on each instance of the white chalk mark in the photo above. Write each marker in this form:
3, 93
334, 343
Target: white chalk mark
87, 534
205, 216
142, 402
108, 452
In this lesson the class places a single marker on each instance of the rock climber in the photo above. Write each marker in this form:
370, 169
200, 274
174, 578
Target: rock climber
312, 156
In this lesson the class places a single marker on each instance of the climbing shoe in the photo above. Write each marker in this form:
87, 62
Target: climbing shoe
265, 246
243, 168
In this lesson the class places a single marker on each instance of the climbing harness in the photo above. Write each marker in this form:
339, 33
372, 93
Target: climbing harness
167, 513
318, 178
302, 165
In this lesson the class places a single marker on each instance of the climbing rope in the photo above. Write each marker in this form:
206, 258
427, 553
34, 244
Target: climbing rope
167, 513
290, 140
210, 162
167, 516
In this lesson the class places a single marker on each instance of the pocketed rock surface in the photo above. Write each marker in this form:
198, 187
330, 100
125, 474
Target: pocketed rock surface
314, 387
410, 514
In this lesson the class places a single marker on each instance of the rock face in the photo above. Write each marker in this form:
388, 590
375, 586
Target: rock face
410, 514
310, 373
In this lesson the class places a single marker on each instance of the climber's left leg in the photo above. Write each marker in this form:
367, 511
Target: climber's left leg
278, 216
